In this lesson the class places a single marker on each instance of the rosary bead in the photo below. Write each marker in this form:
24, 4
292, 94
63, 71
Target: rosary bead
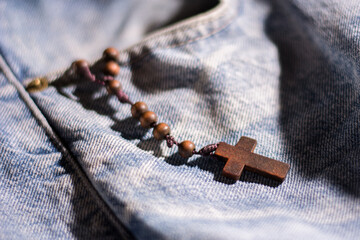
138, 108
80, 64
112, 86
186, 149
147, 119
161, 130
111, 53
112, 68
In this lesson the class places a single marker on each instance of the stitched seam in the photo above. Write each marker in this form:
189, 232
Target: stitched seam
185, 28
81, 172
222, 27
213, 15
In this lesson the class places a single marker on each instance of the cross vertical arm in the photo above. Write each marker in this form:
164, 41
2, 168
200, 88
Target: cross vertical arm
246, 143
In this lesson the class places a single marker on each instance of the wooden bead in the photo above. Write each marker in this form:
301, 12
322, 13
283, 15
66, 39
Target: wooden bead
186, 149
111, 53
138, 108
147, 119
81, 64
161, 130
112, 68
112, 86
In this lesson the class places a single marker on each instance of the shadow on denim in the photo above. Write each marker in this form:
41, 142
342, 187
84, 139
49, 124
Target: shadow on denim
319, 97
88, 222
187, 10
130, 128
152, 74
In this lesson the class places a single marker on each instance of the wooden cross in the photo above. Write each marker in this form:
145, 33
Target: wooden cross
241, 156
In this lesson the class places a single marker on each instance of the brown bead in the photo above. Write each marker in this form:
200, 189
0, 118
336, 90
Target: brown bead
112, 86
111, 68
111, 53
186, 149
81, 64
148, 119
161, 130
138, 108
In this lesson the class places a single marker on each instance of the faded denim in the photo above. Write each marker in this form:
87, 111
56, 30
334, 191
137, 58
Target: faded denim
74, 164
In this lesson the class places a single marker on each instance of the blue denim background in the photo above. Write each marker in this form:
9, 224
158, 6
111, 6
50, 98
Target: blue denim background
75, 165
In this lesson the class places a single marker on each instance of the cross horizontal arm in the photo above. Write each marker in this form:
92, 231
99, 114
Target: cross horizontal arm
266, 166
225, 150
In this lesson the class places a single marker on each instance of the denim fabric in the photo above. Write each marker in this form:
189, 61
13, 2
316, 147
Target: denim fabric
74, 164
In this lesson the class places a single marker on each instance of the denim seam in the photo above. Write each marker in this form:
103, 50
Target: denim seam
190, 25
101, 201
216, 13
140, 57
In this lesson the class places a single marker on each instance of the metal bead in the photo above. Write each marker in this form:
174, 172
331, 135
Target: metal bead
147, 119
138, 108
111, 54
161, 130
38, 84
112, 68
112, 86
186, 149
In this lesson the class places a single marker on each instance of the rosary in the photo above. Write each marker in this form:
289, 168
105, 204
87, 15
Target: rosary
238, 157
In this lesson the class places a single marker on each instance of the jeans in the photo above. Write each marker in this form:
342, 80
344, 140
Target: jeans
75, 164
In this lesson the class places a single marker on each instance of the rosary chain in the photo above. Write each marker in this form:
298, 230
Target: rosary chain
104, 74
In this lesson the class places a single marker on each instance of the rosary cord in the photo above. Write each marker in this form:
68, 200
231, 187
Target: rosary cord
139, 110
